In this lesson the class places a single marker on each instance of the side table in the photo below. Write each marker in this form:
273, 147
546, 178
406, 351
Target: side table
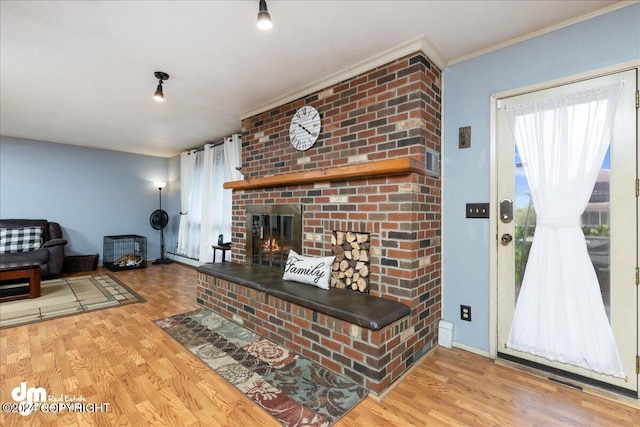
223, 248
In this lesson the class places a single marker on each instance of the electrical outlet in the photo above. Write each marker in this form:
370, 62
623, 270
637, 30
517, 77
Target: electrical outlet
465, 312
477, 210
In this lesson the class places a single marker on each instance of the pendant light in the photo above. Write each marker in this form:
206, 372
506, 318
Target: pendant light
159, 95
264, 18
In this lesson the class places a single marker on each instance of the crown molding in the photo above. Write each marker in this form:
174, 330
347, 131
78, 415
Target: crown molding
546, 30
421, 44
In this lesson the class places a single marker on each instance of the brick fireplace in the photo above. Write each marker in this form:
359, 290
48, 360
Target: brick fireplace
392, 112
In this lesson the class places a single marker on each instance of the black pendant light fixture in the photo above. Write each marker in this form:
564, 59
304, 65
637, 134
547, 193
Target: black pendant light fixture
159, 95
264, 18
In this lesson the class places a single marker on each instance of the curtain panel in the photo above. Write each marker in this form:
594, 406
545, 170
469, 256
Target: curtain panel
189, 237
216, 201
205, 204
233, 156
187, 169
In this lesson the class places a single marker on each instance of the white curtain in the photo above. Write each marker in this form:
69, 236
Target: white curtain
216, 201
208, 212
233, 156
559, 314
187, 169
189, 236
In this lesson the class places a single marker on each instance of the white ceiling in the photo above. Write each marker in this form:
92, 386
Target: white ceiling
81, 73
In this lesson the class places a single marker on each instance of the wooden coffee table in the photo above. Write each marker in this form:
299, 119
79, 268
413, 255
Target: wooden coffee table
19, 271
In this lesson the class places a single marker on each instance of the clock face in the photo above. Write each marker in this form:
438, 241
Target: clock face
305, 128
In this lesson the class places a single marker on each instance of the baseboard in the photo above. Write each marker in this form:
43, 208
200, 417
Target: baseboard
472, 350
184, 260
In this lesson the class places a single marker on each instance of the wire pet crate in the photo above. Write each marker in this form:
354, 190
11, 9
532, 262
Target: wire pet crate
125, 252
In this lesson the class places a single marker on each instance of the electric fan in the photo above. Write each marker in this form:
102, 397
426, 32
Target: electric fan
159, 219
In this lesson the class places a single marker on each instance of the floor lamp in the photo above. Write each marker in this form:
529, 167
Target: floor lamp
159, 220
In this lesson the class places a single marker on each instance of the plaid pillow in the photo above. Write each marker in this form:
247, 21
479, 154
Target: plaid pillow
25, 239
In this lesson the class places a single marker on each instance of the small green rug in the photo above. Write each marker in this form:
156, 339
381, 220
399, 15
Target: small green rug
291, 388
67, 296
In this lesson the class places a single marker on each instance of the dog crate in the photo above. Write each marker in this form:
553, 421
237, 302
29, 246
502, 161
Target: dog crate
125, 252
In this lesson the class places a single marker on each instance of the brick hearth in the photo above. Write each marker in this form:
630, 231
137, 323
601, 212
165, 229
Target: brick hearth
370, 358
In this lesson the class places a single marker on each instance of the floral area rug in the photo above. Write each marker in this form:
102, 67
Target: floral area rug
292, 389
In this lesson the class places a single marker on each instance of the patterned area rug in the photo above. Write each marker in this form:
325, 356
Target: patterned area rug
67, 296
292, 389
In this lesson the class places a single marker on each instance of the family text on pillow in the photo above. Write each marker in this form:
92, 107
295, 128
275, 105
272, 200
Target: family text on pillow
314, 271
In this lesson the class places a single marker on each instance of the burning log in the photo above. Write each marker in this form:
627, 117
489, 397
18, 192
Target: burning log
271, 245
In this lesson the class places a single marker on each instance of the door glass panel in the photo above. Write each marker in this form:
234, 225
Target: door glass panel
595, 225
594, 221
524, 222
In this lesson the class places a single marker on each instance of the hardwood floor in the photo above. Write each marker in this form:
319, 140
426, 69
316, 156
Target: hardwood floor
118, 356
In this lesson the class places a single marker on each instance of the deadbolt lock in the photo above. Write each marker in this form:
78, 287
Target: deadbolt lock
506, 210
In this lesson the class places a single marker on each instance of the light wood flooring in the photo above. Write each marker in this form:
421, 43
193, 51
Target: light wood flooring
118, 356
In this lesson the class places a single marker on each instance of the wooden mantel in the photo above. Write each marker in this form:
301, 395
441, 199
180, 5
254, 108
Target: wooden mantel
397, 166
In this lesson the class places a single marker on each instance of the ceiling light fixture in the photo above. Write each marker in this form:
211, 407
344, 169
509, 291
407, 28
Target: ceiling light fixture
264, 19
159, 95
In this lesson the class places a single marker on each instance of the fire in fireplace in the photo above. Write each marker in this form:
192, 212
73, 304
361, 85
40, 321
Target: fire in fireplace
272, 230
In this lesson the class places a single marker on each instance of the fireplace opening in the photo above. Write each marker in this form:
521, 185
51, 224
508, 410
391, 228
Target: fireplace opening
272, 230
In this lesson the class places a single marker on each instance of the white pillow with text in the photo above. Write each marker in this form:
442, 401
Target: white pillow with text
310, 270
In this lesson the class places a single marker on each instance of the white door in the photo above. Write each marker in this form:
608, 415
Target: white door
610, 225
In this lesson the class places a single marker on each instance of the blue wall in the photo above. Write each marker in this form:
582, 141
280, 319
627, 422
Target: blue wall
92, 193
599, 42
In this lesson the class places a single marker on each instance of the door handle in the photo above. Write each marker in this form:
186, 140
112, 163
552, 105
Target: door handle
506, 239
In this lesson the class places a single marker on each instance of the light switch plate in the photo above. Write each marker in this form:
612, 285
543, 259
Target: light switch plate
477, 210
464, 137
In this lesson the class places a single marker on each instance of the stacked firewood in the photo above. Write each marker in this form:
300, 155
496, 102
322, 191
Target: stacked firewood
351, 266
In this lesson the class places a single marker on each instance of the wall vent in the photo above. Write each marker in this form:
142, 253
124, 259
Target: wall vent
433, 163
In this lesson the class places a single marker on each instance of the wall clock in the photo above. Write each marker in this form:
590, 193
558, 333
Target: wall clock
305, 128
